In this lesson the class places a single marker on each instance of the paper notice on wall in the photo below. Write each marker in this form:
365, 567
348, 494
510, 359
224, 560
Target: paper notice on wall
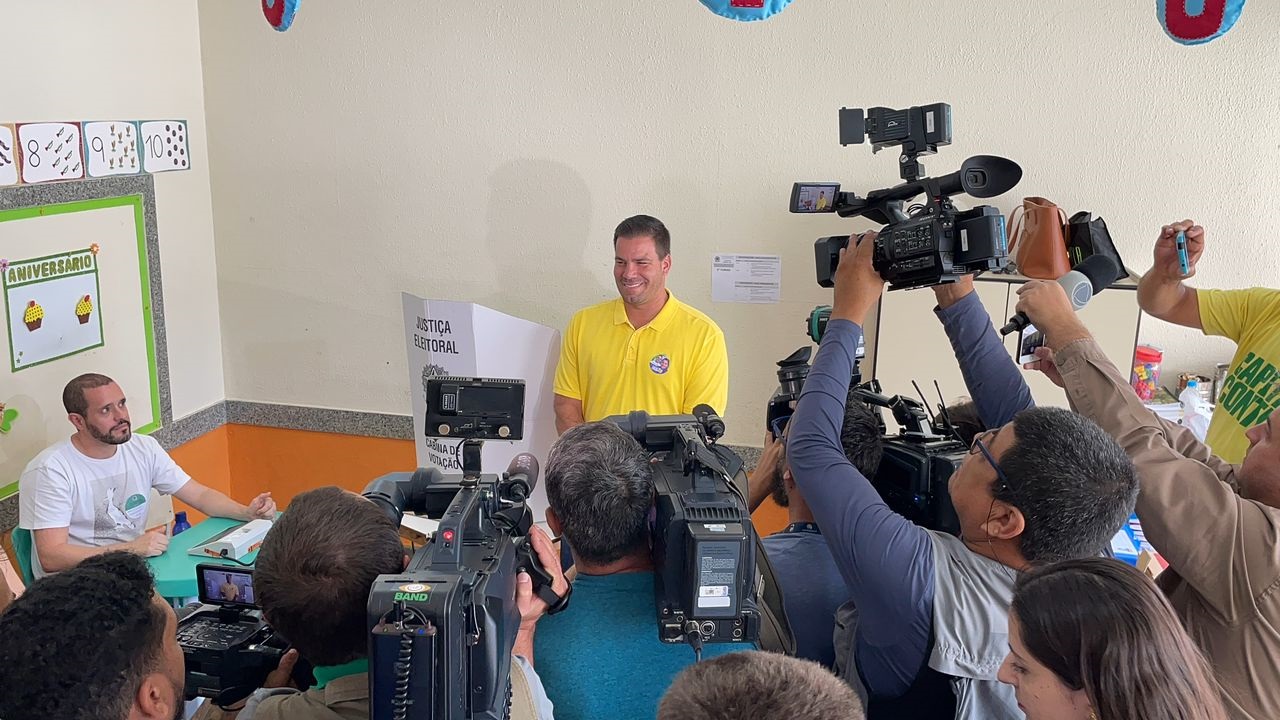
112, 148
746, 278
50, 151
53, 307
165, 146
8, 156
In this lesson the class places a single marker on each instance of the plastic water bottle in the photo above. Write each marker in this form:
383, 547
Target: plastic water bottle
1194, 413
180, 522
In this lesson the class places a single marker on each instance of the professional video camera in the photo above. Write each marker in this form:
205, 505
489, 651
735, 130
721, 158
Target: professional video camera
794, 368
227, 646
443, 630
931, 242
713, 582
918, 461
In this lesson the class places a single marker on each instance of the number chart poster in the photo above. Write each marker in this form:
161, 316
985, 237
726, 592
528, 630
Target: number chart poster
53, 307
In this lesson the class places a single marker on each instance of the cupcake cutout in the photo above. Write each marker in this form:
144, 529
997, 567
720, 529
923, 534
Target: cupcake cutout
84, 309
33, 316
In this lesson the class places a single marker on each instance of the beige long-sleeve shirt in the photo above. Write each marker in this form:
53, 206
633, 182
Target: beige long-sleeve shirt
1224, 562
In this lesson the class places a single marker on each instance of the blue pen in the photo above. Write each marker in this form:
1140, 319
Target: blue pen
1183, 264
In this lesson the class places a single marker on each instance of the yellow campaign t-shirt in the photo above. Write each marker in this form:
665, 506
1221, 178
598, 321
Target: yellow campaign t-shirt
1251, 390
677, 361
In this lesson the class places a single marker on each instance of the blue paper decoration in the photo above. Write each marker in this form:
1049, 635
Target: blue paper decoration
746, 10
280, 13
1193, 22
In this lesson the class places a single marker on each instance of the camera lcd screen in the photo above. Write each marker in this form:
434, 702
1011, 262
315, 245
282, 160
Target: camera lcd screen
484, 400
1028, 341
223, 585
814, 197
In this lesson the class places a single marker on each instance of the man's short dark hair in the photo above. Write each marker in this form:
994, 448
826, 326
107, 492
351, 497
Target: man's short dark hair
645, 226
1073, 483
965, 419
759, 685
315, 569
73, 394
600, 485
859, 435
77, 644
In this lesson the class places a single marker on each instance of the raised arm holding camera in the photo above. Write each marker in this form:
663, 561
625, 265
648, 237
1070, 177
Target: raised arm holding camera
1217, 524
932, 607
1248, 317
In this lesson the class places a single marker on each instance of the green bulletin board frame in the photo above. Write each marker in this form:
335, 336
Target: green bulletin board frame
144, 277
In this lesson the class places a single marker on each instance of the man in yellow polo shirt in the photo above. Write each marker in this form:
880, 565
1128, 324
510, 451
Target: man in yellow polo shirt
645, 350
1249, 317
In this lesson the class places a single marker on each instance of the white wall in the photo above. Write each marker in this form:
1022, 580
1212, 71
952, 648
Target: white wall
133, 60
485, 151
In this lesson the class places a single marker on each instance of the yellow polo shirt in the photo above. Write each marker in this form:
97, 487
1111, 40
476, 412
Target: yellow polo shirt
667, 367
1252, 389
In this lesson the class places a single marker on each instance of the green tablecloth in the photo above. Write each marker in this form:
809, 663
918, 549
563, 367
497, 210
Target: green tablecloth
175, 570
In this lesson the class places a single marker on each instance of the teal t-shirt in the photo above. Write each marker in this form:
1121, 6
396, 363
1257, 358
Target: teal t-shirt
601, 657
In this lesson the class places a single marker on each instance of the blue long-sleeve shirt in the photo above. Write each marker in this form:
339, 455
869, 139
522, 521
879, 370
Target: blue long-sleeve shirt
886, 560
994, 381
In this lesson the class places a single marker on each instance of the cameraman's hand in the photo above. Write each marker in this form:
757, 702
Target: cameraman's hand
949, 294
1045, 364
1166, 266
1045, 303
858, 285
531, 606
760, 481
282, 676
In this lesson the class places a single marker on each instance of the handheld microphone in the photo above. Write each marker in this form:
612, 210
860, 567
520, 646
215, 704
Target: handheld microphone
523, 476
1085, 280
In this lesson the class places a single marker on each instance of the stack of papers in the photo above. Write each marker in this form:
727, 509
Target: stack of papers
1166, 406
1168, 411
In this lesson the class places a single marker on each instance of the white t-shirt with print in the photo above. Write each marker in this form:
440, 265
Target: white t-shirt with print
100, 502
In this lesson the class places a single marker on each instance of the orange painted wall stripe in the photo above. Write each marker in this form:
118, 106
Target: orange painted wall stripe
207, 459
244, 460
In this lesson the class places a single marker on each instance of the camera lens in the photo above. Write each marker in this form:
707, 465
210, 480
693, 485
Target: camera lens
791, 378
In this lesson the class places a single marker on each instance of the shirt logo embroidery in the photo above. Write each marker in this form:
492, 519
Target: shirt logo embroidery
660, 364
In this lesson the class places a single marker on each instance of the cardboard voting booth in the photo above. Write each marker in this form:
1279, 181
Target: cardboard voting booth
451, 338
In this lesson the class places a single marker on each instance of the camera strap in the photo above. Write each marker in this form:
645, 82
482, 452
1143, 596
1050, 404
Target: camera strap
555, 603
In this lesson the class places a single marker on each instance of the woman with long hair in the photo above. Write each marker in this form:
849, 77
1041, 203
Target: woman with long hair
1094, 639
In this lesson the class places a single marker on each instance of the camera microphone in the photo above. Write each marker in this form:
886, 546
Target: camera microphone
523, 476
1085, 280
710, 420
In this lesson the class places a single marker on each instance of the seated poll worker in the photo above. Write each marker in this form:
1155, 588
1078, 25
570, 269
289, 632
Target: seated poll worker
95, 641
932, 609
89, 494
1215, 523
1250, 318
811, 584
644, 350
601, 657
312, 579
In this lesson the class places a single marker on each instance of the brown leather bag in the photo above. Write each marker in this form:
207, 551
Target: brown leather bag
1038, 241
